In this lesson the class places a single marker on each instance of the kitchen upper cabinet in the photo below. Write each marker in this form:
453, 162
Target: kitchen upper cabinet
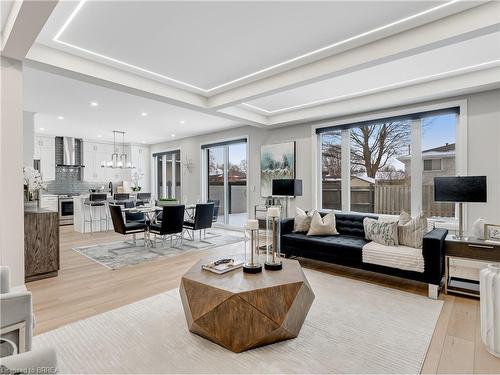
94, 153
45, 151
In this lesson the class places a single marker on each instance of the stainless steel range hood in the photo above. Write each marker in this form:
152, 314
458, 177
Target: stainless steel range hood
71, 152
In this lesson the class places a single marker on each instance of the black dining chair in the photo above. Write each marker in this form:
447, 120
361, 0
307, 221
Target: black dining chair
122, 227
142, 199
131, 217
202, 220
171, 223
216, 203
121, 198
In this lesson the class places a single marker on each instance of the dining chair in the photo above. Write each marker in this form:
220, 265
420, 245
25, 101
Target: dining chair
202, 220
216, 203
122, 227
121, 198
142, 199
171, 224
131, 217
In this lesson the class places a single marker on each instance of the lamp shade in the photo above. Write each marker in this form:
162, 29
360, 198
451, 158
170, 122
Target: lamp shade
287, 187
460, 189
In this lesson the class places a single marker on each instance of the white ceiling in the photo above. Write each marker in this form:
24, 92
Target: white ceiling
149, 47
427, 65
5, 7
203, 45
51, 96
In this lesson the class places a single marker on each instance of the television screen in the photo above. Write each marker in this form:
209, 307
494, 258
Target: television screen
287, 188
460, 189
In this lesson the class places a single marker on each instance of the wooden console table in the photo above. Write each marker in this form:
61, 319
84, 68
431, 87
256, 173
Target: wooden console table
473, 252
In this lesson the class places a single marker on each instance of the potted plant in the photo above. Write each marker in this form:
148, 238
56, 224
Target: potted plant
33, 184
135, 181
166, 201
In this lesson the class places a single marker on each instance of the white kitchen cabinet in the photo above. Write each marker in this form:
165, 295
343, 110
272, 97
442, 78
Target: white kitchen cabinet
94, 153
140, 157
49, 202
45, 151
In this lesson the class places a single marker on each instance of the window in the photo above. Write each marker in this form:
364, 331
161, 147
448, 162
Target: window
379, 180
432, 164
438, 153
331, 171
378, 169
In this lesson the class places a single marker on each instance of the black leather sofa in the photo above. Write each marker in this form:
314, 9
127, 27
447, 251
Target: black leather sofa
346, 249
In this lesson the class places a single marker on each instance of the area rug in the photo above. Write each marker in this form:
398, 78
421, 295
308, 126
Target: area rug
120, 254
352, 327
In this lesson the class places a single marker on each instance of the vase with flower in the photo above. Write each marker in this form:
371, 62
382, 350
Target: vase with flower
33, 184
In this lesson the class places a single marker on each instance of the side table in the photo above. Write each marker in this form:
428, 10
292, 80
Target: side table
464, 259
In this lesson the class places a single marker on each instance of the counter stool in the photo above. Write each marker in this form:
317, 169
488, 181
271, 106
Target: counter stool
95, 200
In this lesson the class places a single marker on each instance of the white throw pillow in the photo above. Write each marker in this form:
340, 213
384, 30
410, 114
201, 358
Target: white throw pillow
302, 221
382, 232
322, 226
412, 233
404, 217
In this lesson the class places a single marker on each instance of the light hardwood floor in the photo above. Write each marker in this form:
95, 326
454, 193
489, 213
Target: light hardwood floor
85, 288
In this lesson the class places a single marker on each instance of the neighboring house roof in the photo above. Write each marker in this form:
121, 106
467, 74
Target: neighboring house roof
445, 151
370, 180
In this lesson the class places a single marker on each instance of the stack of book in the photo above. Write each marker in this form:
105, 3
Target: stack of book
221, 266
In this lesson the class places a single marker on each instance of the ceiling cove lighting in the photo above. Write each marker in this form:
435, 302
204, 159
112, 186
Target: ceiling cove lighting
118, 160
450, 73
348, 40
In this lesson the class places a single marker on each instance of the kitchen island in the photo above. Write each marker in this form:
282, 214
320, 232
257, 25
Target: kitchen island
41, 243
79, 209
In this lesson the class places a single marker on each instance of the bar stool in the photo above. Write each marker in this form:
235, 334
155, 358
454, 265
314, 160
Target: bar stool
100, 201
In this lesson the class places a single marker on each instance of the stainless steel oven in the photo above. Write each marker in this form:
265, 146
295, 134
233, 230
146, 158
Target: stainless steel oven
65, 211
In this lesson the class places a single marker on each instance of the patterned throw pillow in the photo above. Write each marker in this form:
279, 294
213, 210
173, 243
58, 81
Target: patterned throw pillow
302, 220
322, 226
382, 232
412, 233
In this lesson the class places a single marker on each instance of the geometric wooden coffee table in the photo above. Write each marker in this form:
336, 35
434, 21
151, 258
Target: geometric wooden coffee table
242, 311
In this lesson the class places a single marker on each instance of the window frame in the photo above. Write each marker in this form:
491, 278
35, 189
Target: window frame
416, 139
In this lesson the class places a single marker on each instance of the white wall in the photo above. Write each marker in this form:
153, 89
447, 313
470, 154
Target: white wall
483, 155
11, 169
28, 137
190, 148
483, 143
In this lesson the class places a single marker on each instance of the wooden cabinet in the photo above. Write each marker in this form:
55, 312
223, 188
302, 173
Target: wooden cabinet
45, 151
41, 244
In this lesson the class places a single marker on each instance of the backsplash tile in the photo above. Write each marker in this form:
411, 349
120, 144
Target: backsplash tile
68, 181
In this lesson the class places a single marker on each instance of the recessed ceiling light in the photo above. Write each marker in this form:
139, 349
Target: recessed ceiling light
173, 135
99, 136
182, 122
94, 104
42, 129
144, 114
60, 118
143, 141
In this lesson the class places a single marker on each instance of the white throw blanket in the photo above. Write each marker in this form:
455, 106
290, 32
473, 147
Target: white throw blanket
402, 257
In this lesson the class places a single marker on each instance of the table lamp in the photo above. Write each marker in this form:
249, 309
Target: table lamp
460, 190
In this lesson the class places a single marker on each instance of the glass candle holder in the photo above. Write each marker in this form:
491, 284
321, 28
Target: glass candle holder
252, 264
273, 248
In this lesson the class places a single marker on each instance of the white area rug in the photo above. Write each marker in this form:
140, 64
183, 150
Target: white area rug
352, 327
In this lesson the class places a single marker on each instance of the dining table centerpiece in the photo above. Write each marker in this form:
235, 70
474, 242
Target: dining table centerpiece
33, 184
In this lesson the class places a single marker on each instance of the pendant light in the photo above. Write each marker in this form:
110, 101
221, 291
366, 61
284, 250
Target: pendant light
118, 160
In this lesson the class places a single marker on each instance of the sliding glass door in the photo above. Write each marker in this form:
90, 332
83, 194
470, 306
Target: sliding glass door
227, 181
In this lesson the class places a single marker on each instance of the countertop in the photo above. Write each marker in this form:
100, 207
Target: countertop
37, 210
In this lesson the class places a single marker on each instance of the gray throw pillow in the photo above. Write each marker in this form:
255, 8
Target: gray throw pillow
412, 233
302, 221
382, 232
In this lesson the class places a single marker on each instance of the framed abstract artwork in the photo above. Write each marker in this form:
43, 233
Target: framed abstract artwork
277, 161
